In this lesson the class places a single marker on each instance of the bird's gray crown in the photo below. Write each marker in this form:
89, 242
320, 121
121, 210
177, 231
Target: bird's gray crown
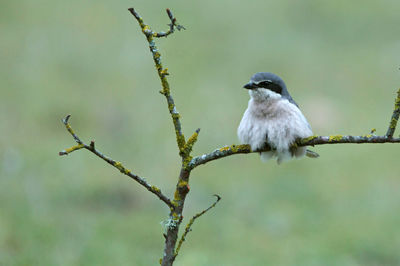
271, 82
268, 80
267, 76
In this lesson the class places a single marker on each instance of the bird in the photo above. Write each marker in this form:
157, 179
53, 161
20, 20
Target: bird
273, 118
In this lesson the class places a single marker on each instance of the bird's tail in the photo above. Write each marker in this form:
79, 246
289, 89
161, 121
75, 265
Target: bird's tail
312, 154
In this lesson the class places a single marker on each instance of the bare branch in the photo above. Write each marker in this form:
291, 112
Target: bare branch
162, 73
153, 189
311, 141
339, 139
172, 26
188, 227
220, 153
395, 116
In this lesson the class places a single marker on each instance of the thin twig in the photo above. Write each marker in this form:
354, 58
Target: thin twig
395, 116
91, 147
188, 227
180, 138
171, 25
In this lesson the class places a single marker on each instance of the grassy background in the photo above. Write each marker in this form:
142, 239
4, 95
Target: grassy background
339, 59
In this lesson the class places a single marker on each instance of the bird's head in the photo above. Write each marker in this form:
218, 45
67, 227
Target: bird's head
266, 85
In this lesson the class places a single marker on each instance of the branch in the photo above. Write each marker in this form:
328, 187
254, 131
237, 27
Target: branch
91, 147
311, 141
188, 227
172, 26
163, 72
395, 116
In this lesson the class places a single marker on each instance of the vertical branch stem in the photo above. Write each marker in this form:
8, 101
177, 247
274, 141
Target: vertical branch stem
182, 189
395, 117
162, 73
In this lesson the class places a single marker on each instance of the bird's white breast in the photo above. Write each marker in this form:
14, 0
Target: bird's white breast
275, 121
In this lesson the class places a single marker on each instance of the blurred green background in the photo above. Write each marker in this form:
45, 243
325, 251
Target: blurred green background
340, 60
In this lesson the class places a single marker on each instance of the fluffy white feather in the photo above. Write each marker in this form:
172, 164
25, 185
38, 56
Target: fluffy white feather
273, 119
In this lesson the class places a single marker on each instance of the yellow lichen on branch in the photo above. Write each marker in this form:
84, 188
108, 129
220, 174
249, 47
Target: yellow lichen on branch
335, 138
395, 116
163, 72
73, 148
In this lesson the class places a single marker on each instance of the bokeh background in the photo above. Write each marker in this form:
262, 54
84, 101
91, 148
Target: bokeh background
340, 60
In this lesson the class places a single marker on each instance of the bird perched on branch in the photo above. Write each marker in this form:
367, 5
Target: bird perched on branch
273, 117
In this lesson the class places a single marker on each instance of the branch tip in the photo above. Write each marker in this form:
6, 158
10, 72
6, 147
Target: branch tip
65, 120
218, 197
171, 17
132, 10
198, 130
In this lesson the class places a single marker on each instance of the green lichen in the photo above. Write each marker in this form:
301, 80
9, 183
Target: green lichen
192, 139
175, 203
155, 189
180, 139
393, 123
335, 138
175, 216
119, 166
234, 148
146, 30
74, 148
157, 55
224, 149
175, 115
69, 129
186, 161
308, 139
398, 98
188, 146
164, 72
181, 190
242, 147
177, 198
182, 183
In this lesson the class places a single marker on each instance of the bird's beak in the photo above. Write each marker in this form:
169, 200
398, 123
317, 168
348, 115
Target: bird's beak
250, 86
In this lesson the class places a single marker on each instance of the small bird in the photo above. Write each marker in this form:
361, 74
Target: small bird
274, 118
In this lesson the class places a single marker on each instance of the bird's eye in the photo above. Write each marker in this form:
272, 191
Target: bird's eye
264, 84
271, 86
